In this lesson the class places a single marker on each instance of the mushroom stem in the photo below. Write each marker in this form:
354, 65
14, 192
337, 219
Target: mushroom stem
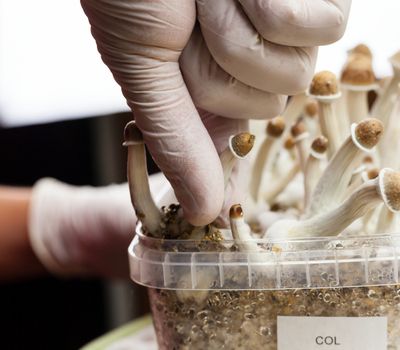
389, 148
275, 128
343, 116
384, 102
282, 183
300, 135
294, 108
331, 188
357, 104
142, 201
314, 167
387, 222
385, 188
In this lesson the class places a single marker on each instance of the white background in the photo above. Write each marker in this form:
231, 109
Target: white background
50, 68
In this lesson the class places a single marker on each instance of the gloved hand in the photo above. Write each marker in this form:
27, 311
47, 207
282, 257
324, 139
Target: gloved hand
85, 231
239, 61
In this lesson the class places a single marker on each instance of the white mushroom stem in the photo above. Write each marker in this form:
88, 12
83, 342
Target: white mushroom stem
331, 188
294, 108
241, 231
280, 185
357, 103
386, 188
343, 116
313, 169
390, 146
387, 221
384, 102
329, 123
146, 209
275, 129
239, 147
300, 136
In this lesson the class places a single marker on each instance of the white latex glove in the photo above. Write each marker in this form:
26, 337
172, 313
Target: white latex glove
85, 231
240, 61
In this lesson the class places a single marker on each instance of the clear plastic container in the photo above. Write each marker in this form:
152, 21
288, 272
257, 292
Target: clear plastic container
210, 295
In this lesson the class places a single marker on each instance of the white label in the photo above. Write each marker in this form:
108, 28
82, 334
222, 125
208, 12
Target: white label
332, 333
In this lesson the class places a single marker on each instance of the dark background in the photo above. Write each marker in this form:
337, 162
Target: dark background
51, 313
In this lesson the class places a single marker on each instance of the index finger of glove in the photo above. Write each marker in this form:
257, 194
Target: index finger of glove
141, 41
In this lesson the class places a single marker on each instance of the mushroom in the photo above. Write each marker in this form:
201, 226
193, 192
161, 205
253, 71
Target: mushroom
324, 89
313, 167
357, 79
311, 114
300, 135
385, 188
275, 128
138, 180
239, 147
331, 187
241, 231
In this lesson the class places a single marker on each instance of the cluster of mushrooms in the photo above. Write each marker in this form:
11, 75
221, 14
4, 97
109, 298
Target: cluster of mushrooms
328, 153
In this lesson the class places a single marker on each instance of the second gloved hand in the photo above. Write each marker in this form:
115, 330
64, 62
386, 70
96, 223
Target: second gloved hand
84, 230
239, 61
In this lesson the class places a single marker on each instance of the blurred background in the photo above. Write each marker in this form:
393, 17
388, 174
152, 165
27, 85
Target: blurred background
62, 115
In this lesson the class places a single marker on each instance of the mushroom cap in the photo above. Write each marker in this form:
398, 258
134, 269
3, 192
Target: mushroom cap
361, 49
389, 183
368, 159
289, 143
320, 144
236, 211
324, 84
311, 108
358, 71
276, 126
368, 132
132, 134
373, 173
299, 128
242, 143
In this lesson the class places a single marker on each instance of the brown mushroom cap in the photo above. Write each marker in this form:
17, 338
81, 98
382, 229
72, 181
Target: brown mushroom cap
132, 134
362, 49
320, 144
368, 159
373, 173
311, 108
236, 211
276, 126
289, 143
242, 143
358, 71
391, 190
368, 132
324, 84
298, 129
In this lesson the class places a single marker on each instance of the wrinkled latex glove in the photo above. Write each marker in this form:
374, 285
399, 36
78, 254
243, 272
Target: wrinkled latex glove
239, 61
85, 231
